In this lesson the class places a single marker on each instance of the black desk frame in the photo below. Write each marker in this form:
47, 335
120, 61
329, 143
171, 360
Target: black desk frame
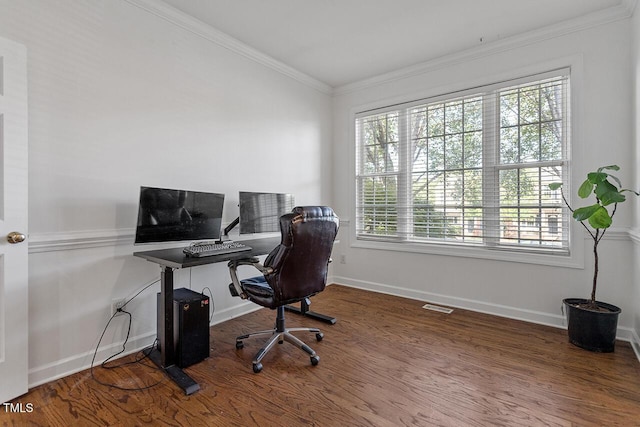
171, 259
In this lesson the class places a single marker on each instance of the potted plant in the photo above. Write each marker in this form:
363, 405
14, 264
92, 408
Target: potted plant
592, 324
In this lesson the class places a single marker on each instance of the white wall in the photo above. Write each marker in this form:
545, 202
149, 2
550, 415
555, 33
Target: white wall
119, 98
602, 133
635, 67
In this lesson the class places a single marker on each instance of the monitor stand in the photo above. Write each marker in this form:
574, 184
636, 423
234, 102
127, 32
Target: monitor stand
230, 227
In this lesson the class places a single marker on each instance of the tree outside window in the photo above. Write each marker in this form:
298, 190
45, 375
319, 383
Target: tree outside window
470, 169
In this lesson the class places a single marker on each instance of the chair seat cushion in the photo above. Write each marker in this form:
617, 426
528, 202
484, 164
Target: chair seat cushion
257, 287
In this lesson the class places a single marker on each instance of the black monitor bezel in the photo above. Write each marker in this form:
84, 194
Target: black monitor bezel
151, 235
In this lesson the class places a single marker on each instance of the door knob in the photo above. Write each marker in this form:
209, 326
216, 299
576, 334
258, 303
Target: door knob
15, 237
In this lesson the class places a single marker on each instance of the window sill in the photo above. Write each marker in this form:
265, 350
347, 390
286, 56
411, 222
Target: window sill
573, 260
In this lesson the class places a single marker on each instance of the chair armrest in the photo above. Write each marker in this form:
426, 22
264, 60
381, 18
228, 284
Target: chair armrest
233, 272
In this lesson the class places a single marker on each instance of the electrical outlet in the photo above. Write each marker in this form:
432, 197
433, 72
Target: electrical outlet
117, 303
343, 259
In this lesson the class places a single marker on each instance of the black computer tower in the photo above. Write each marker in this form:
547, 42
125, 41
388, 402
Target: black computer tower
190, 326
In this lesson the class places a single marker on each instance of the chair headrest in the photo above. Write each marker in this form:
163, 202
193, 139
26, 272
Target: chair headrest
314, 212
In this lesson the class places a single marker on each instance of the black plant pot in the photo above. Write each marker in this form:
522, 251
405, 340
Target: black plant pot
590, 329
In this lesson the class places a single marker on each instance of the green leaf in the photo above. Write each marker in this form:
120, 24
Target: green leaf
611, 197
555, 185
600, 219
585, 189
613, 168
605, 187
610, 167
596, 177
586, 212
631, 191
616, 179
608, 193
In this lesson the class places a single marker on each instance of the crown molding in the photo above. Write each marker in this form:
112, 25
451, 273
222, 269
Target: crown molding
623, 11
207, 32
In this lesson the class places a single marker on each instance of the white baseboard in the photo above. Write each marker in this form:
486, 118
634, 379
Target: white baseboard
635, 344
548, 319
241, 309
79, 362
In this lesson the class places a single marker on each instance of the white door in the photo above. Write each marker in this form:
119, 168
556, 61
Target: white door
14, 333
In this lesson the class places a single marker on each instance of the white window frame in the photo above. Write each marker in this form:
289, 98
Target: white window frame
574, 259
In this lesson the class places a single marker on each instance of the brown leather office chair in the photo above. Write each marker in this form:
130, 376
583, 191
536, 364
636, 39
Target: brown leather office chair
293, 271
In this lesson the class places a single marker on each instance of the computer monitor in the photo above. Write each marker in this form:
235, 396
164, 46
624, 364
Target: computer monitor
261, 212
166, 215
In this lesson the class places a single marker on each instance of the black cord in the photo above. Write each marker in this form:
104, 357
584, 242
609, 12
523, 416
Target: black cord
211, 303
139, 292
124, 344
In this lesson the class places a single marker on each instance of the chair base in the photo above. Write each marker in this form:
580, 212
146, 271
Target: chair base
280, 334
304, 310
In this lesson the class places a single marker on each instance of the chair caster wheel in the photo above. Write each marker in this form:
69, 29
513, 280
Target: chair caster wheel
257, 367
319, 336
314, 360
239, 345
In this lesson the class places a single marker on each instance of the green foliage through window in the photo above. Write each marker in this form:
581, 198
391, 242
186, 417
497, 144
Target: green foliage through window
473, 169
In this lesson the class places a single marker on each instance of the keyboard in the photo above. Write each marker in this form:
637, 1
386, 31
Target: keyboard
211, 249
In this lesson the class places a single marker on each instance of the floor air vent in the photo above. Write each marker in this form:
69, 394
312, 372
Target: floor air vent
437, 308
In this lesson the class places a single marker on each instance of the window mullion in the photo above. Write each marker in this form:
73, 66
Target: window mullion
404, 202
490, 172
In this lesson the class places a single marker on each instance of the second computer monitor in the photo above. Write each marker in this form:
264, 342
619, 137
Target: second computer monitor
261, 212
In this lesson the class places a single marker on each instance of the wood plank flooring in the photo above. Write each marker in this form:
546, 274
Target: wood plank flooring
386, 362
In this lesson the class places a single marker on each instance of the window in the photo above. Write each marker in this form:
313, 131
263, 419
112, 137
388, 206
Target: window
469, 169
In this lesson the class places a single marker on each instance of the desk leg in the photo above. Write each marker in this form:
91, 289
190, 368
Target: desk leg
165, 356
304, 310
165, 314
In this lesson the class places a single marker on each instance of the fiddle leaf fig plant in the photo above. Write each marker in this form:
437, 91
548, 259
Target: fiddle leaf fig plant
608, 192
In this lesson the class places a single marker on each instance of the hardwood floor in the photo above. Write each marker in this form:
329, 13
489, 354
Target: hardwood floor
386, 362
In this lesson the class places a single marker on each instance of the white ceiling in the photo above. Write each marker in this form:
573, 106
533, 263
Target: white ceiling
344, 41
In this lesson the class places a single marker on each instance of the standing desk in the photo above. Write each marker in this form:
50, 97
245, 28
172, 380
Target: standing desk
174, 258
